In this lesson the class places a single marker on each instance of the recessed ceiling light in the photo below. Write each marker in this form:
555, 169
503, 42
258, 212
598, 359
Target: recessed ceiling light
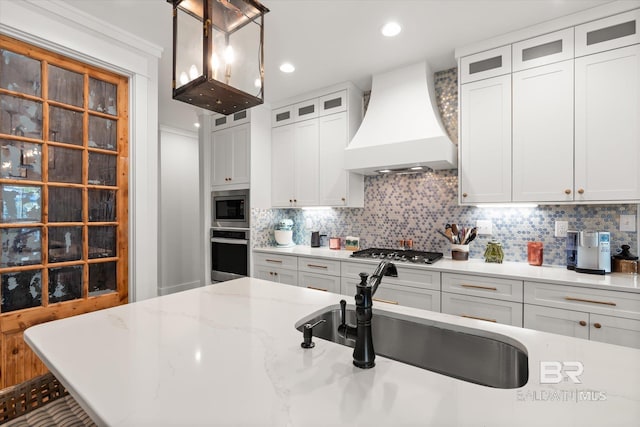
287, 67
391, 29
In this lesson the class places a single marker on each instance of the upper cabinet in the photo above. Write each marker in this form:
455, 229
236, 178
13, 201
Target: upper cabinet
559, 123
307, 150
230, 151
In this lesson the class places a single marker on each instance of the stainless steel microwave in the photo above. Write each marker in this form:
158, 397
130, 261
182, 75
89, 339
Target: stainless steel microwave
231, 208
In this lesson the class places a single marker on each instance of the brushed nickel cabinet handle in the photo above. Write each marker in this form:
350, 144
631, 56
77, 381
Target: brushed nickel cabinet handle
597, 325
590, 301
583, 323
486, 288
317, 289
479, 318
386, 301
317, 266
277, 261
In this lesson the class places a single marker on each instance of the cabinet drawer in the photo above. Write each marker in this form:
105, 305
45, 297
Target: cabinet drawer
620, 304
489, 287
492, 63
543, 50
406, 276
282, 116
333, 103
506, 312
305, 110
275, 274
609, 33
319, 281
319, 265
556, 321
426, 299
273, 260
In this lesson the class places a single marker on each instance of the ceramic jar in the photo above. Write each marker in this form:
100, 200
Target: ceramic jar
494, 252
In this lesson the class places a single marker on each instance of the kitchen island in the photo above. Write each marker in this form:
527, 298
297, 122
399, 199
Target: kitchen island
228, 354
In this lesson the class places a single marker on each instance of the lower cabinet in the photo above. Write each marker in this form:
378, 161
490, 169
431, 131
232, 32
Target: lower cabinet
491, 310
412, 288
579, 324
276, 268
319, 282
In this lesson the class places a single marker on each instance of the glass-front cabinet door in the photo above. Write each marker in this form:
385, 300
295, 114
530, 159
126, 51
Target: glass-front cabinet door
63, 194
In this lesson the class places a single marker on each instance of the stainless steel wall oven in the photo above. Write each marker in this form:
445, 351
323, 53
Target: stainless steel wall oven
230, 235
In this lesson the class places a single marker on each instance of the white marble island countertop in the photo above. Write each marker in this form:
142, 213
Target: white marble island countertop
228, 354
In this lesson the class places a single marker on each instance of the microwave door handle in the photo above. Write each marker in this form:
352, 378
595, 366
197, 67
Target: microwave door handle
229, 241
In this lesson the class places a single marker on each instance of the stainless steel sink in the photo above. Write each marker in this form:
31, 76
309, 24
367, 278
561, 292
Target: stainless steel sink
472, 355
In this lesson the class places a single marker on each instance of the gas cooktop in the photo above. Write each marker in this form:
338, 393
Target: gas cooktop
415, 257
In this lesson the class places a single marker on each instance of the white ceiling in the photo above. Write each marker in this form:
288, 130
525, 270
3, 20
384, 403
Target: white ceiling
331, 41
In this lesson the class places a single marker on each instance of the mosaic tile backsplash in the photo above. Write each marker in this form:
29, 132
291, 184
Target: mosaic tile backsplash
418, 206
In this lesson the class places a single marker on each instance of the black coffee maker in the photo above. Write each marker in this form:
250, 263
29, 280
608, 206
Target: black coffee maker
315, 239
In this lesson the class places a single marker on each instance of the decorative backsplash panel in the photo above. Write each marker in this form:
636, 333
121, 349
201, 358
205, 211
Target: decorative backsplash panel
418, 206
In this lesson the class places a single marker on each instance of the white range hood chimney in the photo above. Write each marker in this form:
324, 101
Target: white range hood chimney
402, 128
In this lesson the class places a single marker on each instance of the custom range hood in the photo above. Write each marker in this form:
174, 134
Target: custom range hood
401, 130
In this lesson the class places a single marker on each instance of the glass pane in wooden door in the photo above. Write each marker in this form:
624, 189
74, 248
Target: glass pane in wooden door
20, 246
102, 133
66, 86
65, 126
102, 205
20, 73
65, 165
21, 117
65, 244
102, 96
65, 283
102, 242
102, 169
102, 278
21, 289
20, 160
65, 204
20, 203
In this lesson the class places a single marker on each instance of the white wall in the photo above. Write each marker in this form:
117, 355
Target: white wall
179, 237
58, 27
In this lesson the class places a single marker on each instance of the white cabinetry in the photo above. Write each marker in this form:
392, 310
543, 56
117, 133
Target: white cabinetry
543, 133
483, 298
607, 127
276, 268
230, 156
485, 148
319, 274
599, 315
575, 104
412, 288
308, 142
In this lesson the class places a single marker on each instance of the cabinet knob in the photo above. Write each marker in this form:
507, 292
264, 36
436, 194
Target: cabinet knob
464, 194
583, 323
295, 200
290, 200
275, 273
271, 273
581, 191
567, 191
344, 199
597, 325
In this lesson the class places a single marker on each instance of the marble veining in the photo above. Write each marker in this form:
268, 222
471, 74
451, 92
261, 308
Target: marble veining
228, 354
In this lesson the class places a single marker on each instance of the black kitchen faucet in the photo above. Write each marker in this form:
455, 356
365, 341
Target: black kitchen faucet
363, 353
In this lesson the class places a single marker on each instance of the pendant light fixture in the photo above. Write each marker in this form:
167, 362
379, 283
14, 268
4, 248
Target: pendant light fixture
218, 56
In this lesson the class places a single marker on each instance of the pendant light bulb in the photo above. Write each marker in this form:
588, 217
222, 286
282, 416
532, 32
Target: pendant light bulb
184, 79
193, 72
215, 61
229, 55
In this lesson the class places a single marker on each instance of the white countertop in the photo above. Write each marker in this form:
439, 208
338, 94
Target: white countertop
228, 354
513, 270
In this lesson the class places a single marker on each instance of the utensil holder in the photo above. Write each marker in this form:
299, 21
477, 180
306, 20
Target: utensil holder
460, 252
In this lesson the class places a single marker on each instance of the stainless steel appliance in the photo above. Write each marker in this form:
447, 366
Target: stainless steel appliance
229, 254
589, 251
230, 208
409, 256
